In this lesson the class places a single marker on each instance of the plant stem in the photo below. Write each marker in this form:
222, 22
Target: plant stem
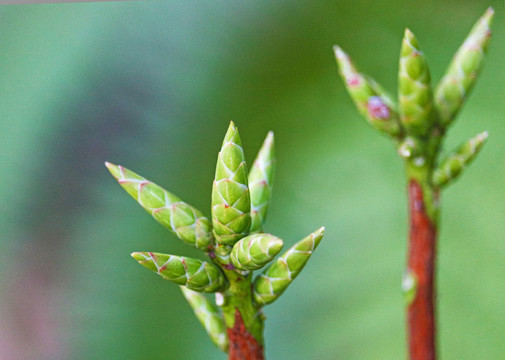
418, 126
243, 318
243, 346
421, 262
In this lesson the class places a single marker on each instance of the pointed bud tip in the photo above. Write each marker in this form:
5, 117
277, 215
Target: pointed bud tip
276, 245
110, 165
410, 38
113, 169
483, 136
138, 256
339, 53
269, 140
232, 133
487, 18
317, 236
489, 12
319, 233
232, 129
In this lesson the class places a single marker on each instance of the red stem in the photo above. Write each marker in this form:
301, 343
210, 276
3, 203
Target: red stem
243, 346
421, 262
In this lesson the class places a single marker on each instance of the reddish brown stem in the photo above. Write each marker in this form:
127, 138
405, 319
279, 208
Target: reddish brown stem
243, 346
421, 263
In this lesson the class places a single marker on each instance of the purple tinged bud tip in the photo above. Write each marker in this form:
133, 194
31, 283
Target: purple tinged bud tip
377, 109
353, 81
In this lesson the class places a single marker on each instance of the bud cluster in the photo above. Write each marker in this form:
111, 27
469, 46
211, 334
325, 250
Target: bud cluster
423, 114
233, 240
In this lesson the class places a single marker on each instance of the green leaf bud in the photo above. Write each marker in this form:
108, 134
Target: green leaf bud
195, 274
260, 183
209, 316
463, 70
269, 285
409, 286
415, 95
188, 223
410, 147
255, 251
370, 99
454, 163
231, 203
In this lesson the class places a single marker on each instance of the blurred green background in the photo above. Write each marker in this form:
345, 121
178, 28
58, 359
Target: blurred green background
153, 86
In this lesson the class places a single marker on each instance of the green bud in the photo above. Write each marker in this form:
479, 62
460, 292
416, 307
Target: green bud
195, 274
209, 316
255, 251
454, 163
260, 180
409, 286
415, 96
231, 204
463, 70
269, 285
410, 147
188, 223
370, 99
222, 253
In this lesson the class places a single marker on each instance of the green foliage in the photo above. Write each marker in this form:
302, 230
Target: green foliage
453, 164
188, 223
370, 98
235, 253
277, 277
255, 251
422, 126
111, 87
261, 178
231, 205
195, 274
463, 70
210, 317
414, 88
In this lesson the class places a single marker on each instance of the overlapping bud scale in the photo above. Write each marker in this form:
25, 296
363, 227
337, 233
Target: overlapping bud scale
463, 70
188, 223
269, 285
415, 94
195, 274
255, 251
209, 316
231, 203
455, 162
260, 183
370, 99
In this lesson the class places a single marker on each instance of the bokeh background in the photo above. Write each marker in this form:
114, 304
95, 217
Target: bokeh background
153, 86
